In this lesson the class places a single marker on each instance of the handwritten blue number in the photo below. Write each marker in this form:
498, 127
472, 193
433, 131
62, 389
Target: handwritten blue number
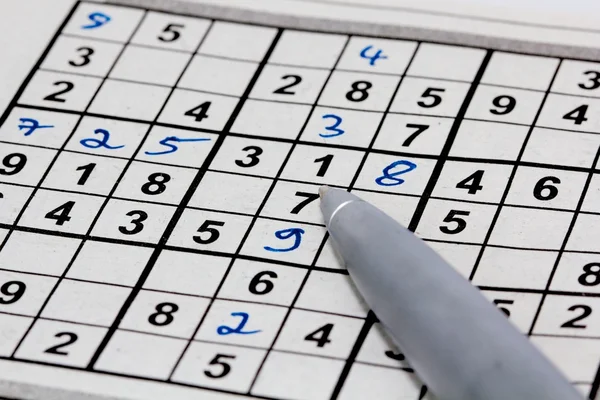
92, 143
389, 179
337, 120
172, 147
372, 58
227, 330
31, 125
284, 234
98, 19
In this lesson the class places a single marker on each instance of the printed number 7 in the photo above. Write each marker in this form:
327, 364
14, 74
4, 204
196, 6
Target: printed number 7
310, 197
419, 129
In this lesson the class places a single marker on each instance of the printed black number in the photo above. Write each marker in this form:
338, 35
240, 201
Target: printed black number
419, 129
85, 53
591, 275
72, 338
321, 335
577, 115
213, 233
170, 33
296, 79
265, 284
326, 161
156, 183
544, 190
587, 311
140, 217
504, 105
164, 314
253, 153
504, 309
225, 367
61, 213
14, 163
54, 96
430, 93
13, 290
395, 356
594, 80
87, 171
453, 216
310, 197
359, 91
472, 183
200, 112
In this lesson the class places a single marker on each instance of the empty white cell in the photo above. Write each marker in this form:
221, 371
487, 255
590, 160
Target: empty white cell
501, 104
550, 188
585, 233
129, 100
289, 84
446, 62
555, 147
217, 75
359, 90
229, 192
489, 140
520, 70
530, 228
24, 293
109, 263
320, 334
234, 322
250, 156
569, 316
262, 282
511, 268
187, 273
570, 112
62, 212
13, 200
324, 165
377, 55
519, 308
141, 354
171, 31
198, 109
472, 181
283, 241
269, 119
82, 56
455, 221
342, 127
239, 41
146, 65
378, 348
328, 258
577, 358
577, 272
331, 292
413, 134
164, 314
23, 164
209, 230
395, 174
308, 49
429, 97
104, 21
399, 207
461, 256
381, 382
294, 201
84, 302
23, 250
107, 137
12, 329
52, 130
61, 343
578, 78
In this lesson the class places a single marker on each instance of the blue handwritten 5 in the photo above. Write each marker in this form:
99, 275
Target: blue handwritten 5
337, 120
93, 143
285, 234
389, 178
172, 148
227, 330
97, 20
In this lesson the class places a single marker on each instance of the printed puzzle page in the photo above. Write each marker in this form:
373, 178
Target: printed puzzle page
160, 233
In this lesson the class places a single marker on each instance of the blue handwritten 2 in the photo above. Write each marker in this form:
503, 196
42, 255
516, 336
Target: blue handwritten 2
389, 179
284, 234
227, 330
172, 147
92, 143
373, 58
31, 125
98, 19
337, 120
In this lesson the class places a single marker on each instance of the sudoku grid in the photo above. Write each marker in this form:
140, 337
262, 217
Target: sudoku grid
159, 213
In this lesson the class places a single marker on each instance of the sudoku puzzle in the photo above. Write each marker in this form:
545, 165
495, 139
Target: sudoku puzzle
159, 214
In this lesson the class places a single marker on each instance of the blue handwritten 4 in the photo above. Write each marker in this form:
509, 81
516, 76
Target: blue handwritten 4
97, 19
337, 120
373, 58
227, 330
389, 178
92, 143
31, 125
172, 147
284, 234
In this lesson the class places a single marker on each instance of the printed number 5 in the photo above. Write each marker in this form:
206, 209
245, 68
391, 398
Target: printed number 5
225, 367
461, 224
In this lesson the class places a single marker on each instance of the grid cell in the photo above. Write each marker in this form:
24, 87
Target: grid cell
104, 21
382, 381
516, 106
577, 272
13, 200
217, 75
555, 147
429, 97
519, 70
289, 84
294, 201
399, 207
170, 31
359, 91
413, 134
584, 233
568, 315
271, 120
488, 140
570, 112
460, 256
308, 49
578, 78
378, 348
237, 41
12, 329
23, 164
24, 294
520, 308
377, 55
52, 130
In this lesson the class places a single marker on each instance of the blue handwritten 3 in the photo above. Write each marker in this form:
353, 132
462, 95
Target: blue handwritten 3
97, 19
284, 234
389, 179
372, 58
227, 330
337, 120
31, 125
93, 143
172, 147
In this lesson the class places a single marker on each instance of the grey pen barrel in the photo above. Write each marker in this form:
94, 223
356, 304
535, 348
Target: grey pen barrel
460, 345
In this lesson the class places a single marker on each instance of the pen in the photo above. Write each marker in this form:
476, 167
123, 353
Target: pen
460, 345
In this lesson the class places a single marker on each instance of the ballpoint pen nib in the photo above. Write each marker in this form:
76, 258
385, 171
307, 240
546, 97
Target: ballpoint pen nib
323, 190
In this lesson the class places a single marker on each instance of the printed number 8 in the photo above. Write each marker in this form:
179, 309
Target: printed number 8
359, 91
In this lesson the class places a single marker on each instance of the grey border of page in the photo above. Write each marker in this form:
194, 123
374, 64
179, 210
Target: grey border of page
366, 28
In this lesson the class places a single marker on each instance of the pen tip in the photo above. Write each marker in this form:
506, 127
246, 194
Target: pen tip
323, 190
